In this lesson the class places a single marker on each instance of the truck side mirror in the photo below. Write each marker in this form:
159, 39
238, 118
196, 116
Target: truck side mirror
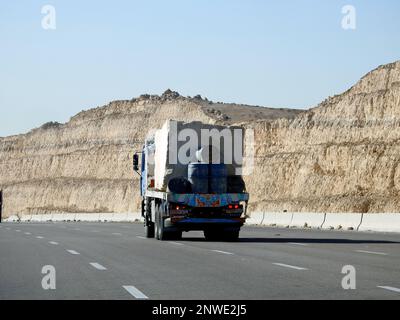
136, 162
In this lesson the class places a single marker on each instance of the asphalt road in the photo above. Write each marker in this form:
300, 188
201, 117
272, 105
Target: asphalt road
115, 261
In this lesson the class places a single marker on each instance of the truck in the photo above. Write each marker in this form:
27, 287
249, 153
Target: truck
192, 184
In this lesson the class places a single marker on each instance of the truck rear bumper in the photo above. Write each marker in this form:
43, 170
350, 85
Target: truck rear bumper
203, 223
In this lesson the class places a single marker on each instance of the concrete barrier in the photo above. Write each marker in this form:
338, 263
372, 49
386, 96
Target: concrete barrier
26, 218
12, 218
57, 217
269, 219
313, 220
342, 221
105, 217
87, 217
283, 219
255, 218
385, 222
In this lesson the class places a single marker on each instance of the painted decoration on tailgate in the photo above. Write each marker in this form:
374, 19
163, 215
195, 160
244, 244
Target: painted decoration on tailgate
208, 200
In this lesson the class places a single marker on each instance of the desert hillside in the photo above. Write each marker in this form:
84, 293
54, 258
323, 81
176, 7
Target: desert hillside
341, 156
85, 164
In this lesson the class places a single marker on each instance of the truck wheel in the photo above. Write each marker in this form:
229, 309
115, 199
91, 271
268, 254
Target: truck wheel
149, 229
160, 229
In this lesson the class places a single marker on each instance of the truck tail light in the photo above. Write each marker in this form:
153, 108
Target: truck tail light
231, 206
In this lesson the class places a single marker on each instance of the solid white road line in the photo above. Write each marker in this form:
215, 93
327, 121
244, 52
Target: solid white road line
223, 252
53, 242
390, 288
39, 237
135, 292
98, 266
372, 252
73, 252
140, 237
28, 233
289, 266
298, 244
176, 243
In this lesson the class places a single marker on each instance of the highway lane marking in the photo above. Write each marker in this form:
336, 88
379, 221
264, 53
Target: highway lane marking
95, 231
176, 243
140, 237
289, 266
98, 266
135, 292
298, 243
372, 252
223, 252
28, 233
73, 252
17, 230
53, 242
390, 288
39, 237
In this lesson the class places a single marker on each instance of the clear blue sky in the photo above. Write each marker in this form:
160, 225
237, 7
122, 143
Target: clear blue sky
290, 53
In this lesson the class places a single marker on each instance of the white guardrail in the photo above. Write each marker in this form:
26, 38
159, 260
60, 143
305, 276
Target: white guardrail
383, 222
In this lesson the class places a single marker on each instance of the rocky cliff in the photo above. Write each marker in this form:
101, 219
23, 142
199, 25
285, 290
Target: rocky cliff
343, 155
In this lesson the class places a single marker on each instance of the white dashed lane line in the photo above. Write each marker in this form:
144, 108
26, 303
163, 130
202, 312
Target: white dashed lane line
298, 244
53, 242
140, 237
98, 266
289, 266
39, 237
73, 252
135, 292
176, 243
17, 230
28, 233
390, 288
223, 252
372, 252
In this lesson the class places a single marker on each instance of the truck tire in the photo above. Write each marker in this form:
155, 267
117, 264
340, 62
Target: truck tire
160, 229
149, 229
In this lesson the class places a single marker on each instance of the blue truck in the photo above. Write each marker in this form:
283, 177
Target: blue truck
205, 198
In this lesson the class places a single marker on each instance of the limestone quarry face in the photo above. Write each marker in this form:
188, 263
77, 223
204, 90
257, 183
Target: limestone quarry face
342, 156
